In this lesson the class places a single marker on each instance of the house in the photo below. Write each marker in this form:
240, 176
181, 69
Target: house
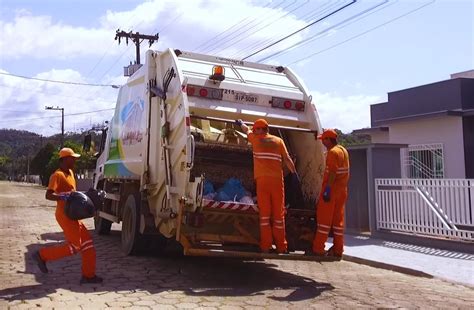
436, 121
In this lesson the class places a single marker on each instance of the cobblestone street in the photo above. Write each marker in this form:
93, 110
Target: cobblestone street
172, 282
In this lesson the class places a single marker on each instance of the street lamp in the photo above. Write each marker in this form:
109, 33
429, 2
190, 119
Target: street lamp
62, 122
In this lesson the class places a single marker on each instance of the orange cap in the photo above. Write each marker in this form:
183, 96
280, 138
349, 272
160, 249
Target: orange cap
328, 133
68, 152
260, 123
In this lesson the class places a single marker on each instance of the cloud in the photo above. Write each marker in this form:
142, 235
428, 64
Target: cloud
228, 29
23, 102
344, 113
26, 33
198, 22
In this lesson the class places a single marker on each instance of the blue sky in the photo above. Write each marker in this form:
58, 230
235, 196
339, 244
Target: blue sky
353, 62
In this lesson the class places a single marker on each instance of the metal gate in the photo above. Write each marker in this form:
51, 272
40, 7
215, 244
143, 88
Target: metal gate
434, 207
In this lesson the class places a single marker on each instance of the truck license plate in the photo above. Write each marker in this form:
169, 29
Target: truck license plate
235, 96
248, 98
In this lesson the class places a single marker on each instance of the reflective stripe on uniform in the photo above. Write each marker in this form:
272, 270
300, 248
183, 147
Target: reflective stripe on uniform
86, 243
342, 171
265, 155
323, 229
87, 248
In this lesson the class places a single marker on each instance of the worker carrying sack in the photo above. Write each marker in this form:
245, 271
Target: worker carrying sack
79, 206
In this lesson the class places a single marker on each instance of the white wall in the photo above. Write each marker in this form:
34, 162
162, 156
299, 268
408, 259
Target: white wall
380, 136
444, 129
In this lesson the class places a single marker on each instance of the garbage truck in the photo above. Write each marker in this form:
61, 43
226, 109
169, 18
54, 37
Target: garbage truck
172, 145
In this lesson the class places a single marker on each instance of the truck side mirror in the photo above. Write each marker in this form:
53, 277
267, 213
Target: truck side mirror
86, 147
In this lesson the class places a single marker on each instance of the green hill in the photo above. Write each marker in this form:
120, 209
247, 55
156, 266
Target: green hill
19, 147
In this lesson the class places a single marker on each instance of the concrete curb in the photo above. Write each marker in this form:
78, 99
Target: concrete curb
386, 266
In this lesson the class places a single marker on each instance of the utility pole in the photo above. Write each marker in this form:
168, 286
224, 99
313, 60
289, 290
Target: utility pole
62, 122
28, 168
136, 37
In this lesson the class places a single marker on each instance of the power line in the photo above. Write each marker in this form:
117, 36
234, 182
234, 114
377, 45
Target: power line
58, 81
108, 49
213, 39
273, 21
310, 15
245, 32
363, 33
346, 22
55, 95
37, 118
299, 30
130, 46
245, 28
178, 16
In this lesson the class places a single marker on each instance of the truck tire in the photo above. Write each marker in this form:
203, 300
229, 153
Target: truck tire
101, 225
131, 237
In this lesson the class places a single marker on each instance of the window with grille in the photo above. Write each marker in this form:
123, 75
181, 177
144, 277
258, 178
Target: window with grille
423, 161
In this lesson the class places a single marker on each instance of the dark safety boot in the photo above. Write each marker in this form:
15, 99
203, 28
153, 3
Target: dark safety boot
93, 280
330, 253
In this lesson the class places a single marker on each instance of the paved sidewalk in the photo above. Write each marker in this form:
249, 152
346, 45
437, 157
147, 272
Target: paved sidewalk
412, 259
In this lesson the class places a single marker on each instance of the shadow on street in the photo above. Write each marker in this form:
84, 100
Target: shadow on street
156, 272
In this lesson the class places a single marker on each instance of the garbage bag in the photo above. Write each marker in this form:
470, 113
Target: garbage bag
79, 206
232, 190
97, 197
247, 200
209, 196
208, 187
222, 196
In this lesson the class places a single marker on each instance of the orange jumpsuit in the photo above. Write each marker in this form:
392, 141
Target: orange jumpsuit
268, 153
77, 236
331, 214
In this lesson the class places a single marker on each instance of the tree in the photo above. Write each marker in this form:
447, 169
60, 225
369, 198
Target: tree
86, 161
351, 139
40, 162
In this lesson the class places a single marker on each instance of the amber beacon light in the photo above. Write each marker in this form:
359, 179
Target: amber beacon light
217, 73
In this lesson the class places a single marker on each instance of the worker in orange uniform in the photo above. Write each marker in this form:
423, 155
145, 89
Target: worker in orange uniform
332, 200
78, 240
269, 152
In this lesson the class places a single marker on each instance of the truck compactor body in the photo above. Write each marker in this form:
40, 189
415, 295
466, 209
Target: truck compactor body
174, 165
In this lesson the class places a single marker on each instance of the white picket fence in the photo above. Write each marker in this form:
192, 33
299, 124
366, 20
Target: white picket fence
434, 207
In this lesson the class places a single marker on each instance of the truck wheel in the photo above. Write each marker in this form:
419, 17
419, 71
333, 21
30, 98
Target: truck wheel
101, 225
130, 225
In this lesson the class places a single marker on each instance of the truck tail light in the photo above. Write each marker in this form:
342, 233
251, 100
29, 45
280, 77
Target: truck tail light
190, 90
288, 104
299, 105
204, 92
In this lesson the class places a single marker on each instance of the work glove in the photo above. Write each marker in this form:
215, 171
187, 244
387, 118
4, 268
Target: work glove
239, 122
327, 194
63, 197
